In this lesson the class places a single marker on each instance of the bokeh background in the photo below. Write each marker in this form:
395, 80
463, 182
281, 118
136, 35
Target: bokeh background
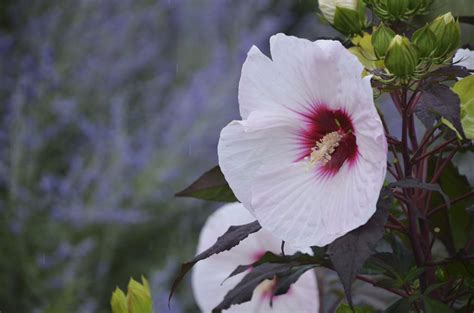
107, 108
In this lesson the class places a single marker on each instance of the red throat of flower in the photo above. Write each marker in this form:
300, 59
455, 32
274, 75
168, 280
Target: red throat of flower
327, 139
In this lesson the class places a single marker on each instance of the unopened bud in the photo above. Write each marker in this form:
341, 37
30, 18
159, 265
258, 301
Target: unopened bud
139, 298
425, 40
397, 8
119, 301
328, 7
448, 34
347, 16
381, 38
402, 57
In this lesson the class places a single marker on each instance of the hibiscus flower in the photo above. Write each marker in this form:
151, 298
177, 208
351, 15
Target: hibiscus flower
209, 276
308, 158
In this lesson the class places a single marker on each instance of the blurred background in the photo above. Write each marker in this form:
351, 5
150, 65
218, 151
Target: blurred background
108, 107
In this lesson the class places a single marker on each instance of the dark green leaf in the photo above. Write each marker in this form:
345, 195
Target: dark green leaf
232, 237
210, 186
439, 101
349, 252
434, 306
243, 291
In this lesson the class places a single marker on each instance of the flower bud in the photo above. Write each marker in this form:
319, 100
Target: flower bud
402, 57
139, 297
118, 301
328, 7
381, 38
397, 8
347, 16
425, 40
448, 34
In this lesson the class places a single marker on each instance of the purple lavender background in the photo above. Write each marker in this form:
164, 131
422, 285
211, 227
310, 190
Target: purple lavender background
108, 108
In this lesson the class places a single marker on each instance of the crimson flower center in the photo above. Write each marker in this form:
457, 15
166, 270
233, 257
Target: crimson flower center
327, 139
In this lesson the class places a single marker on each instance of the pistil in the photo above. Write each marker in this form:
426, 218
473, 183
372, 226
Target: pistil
321, 153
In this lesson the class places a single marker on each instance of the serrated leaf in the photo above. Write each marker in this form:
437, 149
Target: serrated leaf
288, 273
269, 257
416, 184
349, 252
211, 186
439, 101
449, 73
232, 237
283, 283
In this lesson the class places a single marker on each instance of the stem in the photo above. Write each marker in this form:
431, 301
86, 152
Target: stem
435, 150
374, 283
451, 260
443, 165
455, 200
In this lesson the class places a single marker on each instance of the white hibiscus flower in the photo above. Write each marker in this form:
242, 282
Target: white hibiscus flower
464, 57
209, 274
308, 158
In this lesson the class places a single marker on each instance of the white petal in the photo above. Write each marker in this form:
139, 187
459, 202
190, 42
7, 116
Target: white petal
302, 208
245, 145
465, 57
301, 75
208, 274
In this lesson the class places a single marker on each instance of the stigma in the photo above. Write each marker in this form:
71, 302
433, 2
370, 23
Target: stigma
322, 151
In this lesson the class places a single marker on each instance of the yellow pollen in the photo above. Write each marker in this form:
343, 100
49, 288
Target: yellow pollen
324, 148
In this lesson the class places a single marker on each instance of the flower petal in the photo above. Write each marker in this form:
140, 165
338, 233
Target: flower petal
465, 57
208, 275
245, 145
301, 75
302, 208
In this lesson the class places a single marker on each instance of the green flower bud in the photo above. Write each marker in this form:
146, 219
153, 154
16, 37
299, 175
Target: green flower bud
448, 34
347, 16
402, 57
328, 7
139, 297
381, 38
397, 8
118, 301
425, 40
